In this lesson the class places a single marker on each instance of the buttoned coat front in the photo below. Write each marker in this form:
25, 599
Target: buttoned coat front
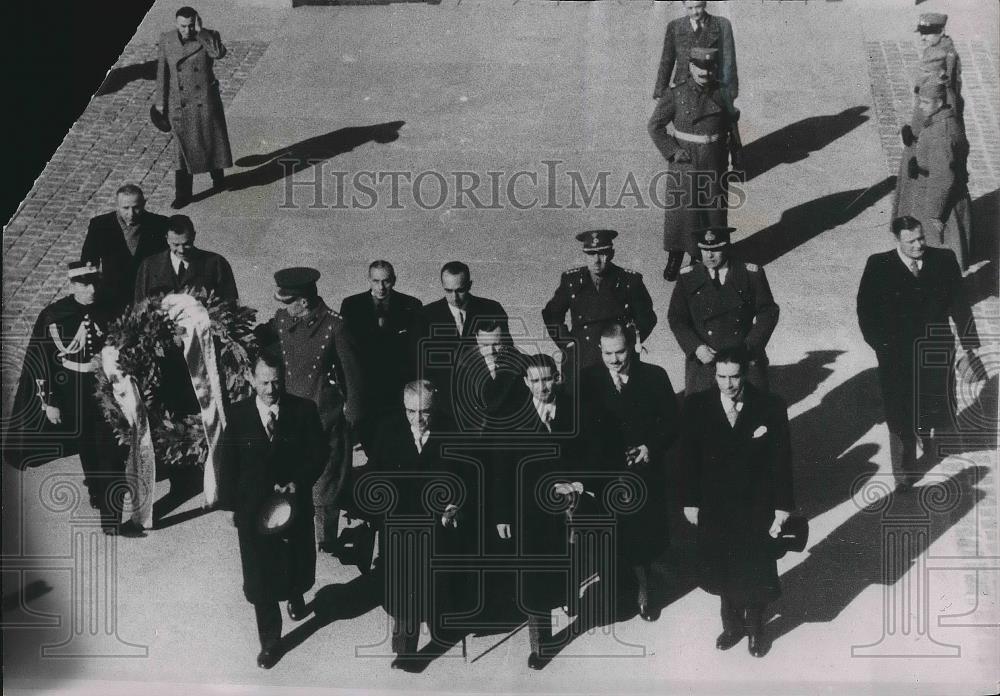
740, 313
189, 92
621, 297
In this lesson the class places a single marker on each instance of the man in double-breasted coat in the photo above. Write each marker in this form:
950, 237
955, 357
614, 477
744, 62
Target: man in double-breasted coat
717, 304
737, 489
118, 241
273, 442
905, 294
321, 364
630, 408
698, 28
594, 296
933, 181
690, 126
188, 92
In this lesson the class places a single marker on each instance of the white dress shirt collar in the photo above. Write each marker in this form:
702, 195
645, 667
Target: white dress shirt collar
907, 260
420, 438
264, 410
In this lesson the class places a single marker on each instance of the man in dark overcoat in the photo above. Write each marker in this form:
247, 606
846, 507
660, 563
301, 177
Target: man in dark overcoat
431, 503
721, 303
118, 241
187, 91
448, 327
273, 442
905, 300
737, 489
698, 28
546, 475
690, 126
631, 410
322, 364
933, 181
185, 266
595, 295
56, 412
385, 323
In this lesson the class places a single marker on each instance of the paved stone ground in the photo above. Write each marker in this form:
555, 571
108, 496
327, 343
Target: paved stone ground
484, 85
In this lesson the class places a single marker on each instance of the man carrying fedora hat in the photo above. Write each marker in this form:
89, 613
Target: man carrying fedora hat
595, 295
717, 304
273, 445
736, 487
55, 412
322, 364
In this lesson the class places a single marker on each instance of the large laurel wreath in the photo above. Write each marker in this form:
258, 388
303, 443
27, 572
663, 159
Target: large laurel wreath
144, 336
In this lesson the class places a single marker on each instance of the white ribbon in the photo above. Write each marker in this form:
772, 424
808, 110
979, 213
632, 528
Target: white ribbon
140, 468
199, 353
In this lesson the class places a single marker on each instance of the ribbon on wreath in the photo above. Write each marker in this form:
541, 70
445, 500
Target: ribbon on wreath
199, 354
140, 467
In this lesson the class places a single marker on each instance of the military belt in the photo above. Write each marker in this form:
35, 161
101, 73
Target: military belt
694, 137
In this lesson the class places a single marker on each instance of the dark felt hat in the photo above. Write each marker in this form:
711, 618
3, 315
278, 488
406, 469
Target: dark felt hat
277, 514
295, 282
793, 537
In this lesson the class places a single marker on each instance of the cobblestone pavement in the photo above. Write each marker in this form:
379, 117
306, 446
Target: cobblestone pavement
112, 142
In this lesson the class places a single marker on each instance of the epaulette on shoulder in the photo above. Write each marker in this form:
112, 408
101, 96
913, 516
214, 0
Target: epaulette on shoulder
575, 269
752, 267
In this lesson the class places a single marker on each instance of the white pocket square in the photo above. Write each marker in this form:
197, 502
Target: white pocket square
759, 431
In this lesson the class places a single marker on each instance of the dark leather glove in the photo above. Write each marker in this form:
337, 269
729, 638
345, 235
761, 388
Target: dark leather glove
913, 169
907, 134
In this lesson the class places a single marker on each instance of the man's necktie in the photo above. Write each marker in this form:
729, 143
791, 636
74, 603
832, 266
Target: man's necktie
460, 321
380, 313
617, 379
181, 269
914, 268
697, 27
272, 425
715, 280
732, 414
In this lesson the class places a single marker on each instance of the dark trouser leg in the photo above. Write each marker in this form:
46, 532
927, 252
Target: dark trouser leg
753, 619
329, 486
539, 633
183, 183
732, 616
218, 178
642, 573
903, 454
405, 634
268, 623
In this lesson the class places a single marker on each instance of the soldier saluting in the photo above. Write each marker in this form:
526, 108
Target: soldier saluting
721, 304
595, 295
55, 411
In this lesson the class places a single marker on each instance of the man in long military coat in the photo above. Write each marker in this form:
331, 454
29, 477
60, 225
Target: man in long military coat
55, 412
595, 295
118, 241
273, 442
718, 304
737, 489
385, 324
697, 28
188, 92
184, 266
933, 181
322, 364
691, 128
630, 408
939, 62
429, 512
904, 294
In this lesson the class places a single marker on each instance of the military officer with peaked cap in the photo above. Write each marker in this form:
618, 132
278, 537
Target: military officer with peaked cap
718, 304
321, 364
594, 295
691, 128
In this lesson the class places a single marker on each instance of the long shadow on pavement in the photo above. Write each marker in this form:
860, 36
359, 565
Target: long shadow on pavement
275, 165
985, 282
120, 77
797, 381
803, 222
333, 603
796, 141
862, 552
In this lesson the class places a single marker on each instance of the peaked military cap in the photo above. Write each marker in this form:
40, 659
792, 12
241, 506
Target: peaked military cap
932, 23
82, 272
704, 57
595, 241
711, 238
295, 282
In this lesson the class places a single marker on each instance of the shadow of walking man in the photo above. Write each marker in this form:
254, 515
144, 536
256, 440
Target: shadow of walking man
287, 161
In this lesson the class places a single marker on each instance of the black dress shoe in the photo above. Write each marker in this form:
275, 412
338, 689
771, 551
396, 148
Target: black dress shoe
648, 613
727, 640
131, 529
756, 645
330, 547
296, 609
267, 658
407, 663
536, 661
